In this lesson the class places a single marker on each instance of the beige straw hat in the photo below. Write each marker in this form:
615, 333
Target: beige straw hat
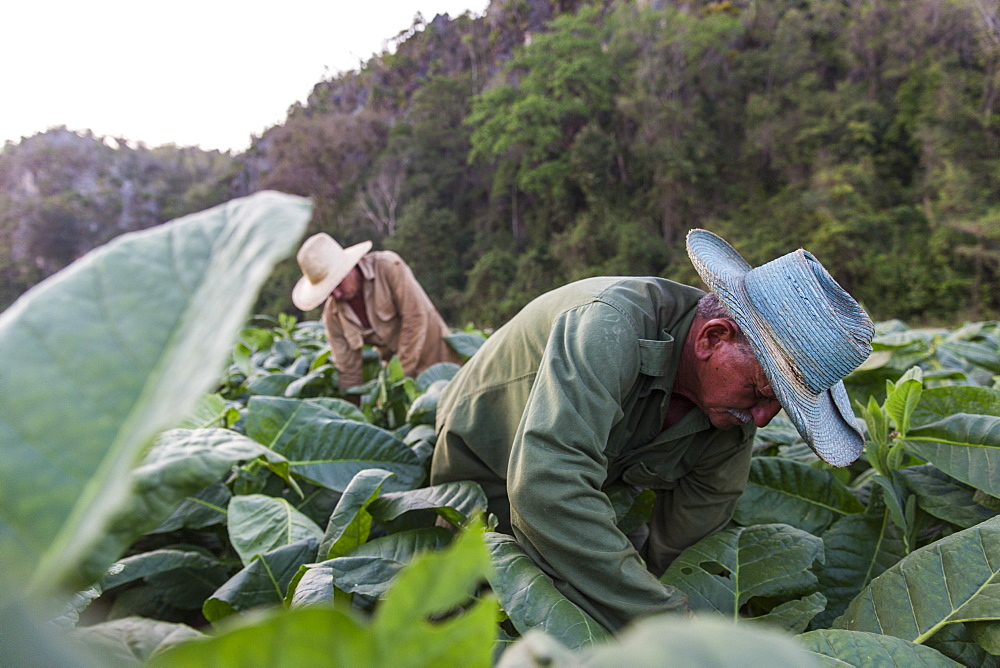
324, 264
807, 333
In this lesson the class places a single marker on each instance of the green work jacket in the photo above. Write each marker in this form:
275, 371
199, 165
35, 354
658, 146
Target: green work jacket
569, 397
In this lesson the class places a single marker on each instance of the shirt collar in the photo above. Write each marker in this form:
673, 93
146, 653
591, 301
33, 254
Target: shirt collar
366, 265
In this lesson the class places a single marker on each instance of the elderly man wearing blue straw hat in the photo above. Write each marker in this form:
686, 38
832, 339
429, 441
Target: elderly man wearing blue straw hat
369, 298
656, 385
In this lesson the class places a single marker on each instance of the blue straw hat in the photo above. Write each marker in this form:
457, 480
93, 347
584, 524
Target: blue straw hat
806, 330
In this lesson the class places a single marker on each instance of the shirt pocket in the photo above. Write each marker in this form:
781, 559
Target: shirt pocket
654, 356
384, 308
643, 475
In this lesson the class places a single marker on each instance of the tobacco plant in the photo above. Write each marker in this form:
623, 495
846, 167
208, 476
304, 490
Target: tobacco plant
184, 487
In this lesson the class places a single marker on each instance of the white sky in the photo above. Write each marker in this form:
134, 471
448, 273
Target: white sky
190, 72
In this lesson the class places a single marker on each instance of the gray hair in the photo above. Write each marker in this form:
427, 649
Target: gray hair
711, 307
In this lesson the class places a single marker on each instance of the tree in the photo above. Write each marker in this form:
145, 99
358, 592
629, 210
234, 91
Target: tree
560, 81
324, 157
428, 240
379, 198
683, 109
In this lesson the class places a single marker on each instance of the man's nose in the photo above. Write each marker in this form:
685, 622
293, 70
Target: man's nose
765, 411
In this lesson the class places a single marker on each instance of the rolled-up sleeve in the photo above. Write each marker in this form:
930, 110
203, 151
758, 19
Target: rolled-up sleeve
557, 467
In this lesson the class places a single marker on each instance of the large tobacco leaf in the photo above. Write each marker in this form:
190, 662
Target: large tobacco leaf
723, 572
938, 402
210, 411
117, 347
205, 508
436, 372
944, 497
423, 410
872, 650
956, 642
367, 570
341, 407
264, 582
275, 420
858, 548
458, 502
259, 523
532, 601
959, 432
370, 568
790, 492
466, 344
407, 630
955, 579
350, 521
153, 562
181, 462
329, 450
306, 637
439, 583
979, 353
132, 640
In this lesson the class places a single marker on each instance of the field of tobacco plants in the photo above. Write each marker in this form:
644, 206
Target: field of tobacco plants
183, 485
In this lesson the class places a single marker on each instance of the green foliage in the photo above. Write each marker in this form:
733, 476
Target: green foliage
857, 648
302, 434
278, 513
564, 79
224, 524
964, 438
431, 242
958, 583
574, 138
490, 288
405, 632
783, 490
263, 582
858, 548
142, 367
762, 572
259, 523
532, 601
64, 193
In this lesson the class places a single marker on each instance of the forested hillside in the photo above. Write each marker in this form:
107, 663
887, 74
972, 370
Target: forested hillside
63, 193
550, 140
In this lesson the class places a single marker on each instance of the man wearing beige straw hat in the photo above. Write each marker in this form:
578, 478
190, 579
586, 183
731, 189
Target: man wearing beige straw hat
657, 385
369, 298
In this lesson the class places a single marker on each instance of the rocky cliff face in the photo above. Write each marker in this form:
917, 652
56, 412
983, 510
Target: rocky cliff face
63, 193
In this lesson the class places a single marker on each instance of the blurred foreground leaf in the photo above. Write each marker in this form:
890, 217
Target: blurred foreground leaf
117, 347
426, 619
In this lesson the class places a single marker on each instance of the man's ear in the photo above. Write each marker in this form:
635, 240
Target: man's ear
712, 334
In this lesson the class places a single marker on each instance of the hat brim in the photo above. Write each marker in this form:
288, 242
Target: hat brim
824, 420
307, 295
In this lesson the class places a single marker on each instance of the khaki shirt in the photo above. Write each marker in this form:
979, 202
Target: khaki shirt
403, 321
570, 396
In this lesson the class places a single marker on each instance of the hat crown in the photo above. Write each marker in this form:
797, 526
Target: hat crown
324, 264
823, 333
316, 255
